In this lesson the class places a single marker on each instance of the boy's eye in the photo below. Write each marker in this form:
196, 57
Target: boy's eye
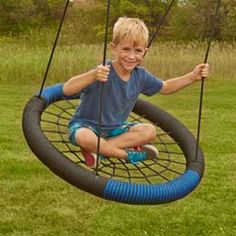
140, 51
126, 49
136, 50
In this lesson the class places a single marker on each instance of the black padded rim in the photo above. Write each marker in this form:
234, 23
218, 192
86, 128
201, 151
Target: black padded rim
85, 179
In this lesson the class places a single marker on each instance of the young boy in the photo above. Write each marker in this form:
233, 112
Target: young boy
123, 79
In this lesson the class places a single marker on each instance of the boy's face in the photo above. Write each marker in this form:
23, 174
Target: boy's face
128, 54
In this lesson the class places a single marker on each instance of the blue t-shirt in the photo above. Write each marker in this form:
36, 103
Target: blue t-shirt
119, 98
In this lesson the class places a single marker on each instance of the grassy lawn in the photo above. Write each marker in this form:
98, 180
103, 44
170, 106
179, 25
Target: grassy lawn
35, 202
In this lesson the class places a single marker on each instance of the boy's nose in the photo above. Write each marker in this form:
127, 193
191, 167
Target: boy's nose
131, 54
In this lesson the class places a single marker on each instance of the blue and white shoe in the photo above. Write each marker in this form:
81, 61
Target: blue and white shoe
142, 153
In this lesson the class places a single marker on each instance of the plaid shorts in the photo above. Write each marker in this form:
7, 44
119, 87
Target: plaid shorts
104, 133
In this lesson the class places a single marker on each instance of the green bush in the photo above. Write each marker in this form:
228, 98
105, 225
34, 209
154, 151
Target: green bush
188, 20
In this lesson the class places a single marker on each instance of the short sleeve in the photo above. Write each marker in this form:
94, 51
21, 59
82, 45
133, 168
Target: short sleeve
150, 83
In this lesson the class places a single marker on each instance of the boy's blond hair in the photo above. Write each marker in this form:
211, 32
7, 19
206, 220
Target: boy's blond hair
132, 28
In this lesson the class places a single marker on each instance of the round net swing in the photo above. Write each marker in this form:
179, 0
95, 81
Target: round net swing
174, 174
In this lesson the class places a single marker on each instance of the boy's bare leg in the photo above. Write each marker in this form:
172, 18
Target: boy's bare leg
87, 140
138, 135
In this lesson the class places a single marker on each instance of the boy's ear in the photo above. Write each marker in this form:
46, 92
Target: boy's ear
113, 47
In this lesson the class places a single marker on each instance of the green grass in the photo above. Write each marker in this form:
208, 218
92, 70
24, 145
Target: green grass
35, 202
28, 62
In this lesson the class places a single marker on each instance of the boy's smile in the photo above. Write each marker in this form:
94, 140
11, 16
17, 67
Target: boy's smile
128, 55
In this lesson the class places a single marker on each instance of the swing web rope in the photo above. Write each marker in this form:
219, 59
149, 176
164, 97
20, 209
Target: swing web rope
170, 164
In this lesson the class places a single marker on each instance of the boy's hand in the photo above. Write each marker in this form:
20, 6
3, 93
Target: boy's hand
201, 71
102, 72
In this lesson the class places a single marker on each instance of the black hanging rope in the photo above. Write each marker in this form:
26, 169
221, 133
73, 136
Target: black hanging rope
160, 23
54, 47
212, 36
101, 85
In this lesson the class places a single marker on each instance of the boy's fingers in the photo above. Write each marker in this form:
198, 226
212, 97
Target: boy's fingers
103, 72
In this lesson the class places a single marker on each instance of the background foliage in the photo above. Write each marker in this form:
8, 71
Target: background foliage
189, 19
